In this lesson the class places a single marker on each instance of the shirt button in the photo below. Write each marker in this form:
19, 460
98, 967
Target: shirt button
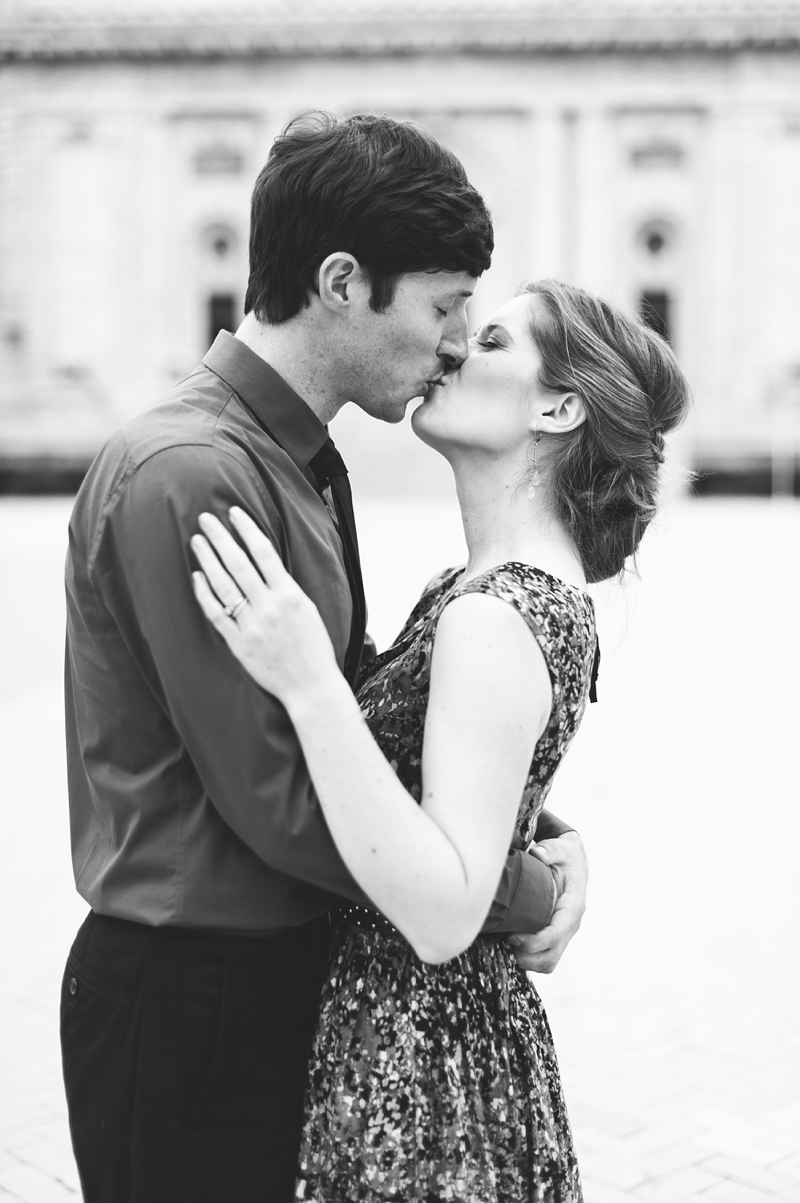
73, 985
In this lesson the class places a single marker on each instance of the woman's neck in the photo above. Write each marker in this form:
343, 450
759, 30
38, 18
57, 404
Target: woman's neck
502, 523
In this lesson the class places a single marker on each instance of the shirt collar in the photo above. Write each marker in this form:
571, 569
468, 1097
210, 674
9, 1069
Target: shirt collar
286, 416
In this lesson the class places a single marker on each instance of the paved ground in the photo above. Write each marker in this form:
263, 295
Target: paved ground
675, 1010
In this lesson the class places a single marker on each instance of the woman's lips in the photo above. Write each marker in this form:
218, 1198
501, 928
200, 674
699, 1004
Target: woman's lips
439, 382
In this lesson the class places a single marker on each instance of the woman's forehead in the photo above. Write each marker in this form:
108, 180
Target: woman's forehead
514, 315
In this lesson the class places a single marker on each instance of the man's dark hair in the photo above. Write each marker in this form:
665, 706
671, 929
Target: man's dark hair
384, 191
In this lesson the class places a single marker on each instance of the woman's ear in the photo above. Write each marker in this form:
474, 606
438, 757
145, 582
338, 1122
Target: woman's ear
560, 413
339, 277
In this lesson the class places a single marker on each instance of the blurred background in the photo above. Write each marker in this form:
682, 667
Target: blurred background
649, 151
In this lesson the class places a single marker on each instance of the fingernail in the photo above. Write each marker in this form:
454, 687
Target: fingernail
514, 941
235, 512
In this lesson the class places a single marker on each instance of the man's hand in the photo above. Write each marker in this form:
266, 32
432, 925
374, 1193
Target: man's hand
540, 953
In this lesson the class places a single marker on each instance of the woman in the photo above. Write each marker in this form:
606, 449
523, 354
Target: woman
433, 1074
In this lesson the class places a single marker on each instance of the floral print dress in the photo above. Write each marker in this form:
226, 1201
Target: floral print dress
440, 1082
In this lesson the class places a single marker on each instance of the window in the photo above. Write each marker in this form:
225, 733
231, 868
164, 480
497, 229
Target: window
657, 239
218, 158
658, 152
654, 308
655, 242
218, 243
221, 314
221, 246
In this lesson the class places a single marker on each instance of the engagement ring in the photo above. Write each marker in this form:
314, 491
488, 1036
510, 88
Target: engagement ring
236, 608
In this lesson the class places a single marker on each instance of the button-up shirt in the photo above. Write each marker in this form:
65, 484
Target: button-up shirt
190, 801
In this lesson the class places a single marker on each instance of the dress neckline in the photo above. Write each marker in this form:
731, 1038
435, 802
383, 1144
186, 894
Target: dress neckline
558, 580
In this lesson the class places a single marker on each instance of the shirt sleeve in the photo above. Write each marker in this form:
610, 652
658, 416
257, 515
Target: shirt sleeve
239, 740
525, 898
550, 827
526, 895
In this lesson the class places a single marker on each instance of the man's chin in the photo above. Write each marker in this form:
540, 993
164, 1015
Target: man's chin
384, 411
394, 412
398, 414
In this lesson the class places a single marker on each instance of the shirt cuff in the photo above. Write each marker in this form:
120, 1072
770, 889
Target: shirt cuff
550, 827
525, 899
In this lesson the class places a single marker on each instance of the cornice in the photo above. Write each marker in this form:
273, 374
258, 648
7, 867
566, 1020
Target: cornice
308, 28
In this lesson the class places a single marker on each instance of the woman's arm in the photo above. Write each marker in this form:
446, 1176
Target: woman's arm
432, 870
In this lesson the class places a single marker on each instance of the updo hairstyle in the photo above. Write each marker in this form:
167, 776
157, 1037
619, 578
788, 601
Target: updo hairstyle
604, 474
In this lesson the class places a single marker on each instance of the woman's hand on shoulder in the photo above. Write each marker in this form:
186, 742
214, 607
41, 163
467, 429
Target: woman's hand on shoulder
271, 626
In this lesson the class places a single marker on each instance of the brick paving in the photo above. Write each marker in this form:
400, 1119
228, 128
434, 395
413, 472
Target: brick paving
675, 1010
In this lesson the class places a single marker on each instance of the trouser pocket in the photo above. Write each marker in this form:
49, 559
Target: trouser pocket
91, 1014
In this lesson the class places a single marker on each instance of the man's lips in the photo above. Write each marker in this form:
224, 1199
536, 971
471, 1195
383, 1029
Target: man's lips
431, 384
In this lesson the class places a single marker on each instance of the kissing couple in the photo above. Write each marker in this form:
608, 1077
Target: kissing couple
317, 875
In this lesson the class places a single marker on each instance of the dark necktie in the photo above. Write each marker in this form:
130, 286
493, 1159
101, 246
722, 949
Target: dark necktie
329, 469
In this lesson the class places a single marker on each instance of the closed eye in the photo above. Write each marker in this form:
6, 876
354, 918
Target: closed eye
490, 343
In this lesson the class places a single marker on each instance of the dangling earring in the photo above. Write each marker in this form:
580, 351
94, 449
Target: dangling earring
533, 476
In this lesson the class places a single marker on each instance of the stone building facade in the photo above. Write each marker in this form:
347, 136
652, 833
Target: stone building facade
648, 151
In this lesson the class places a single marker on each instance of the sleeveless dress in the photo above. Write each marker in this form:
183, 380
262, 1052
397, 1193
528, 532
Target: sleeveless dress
440, 1082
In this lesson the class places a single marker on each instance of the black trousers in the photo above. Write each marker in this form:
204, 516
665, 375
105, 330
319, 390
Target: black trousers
185, 1058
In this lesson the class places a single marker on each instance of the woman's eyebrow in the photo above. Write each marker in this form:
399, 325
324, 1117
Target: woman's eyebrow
496, 328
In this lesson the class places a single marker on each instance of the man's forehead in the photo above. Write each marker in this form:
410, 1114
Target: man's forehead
443, 287
455, 285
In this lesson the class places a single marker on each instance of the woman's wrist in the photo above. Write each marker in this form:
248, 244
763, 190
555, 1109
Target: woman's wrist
324, 692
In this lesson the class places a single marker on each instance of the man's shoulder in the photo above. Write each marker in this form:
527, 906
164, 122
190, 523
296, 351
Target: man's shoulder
188, 416
192, 424
177, 448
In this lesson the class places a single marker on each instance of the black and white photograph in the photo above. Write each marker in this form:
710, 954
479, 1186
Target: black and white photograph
400, 542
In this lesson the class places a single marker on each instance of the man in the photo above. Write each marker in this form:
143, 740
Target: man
191, 990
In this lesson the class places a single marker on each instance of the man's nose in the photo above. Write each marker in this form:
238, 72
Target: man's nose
454, 346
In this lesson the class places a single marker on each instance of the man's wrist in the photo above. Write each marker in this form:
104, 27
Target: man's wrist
528, 902
550, 827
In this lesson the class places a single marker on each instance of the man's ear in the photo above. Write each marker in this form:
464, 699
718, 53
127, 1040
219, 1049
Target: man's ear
559, 413
340, 280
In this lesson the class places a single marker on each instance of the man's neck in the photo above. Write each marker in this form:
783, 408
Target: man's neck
296, 354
